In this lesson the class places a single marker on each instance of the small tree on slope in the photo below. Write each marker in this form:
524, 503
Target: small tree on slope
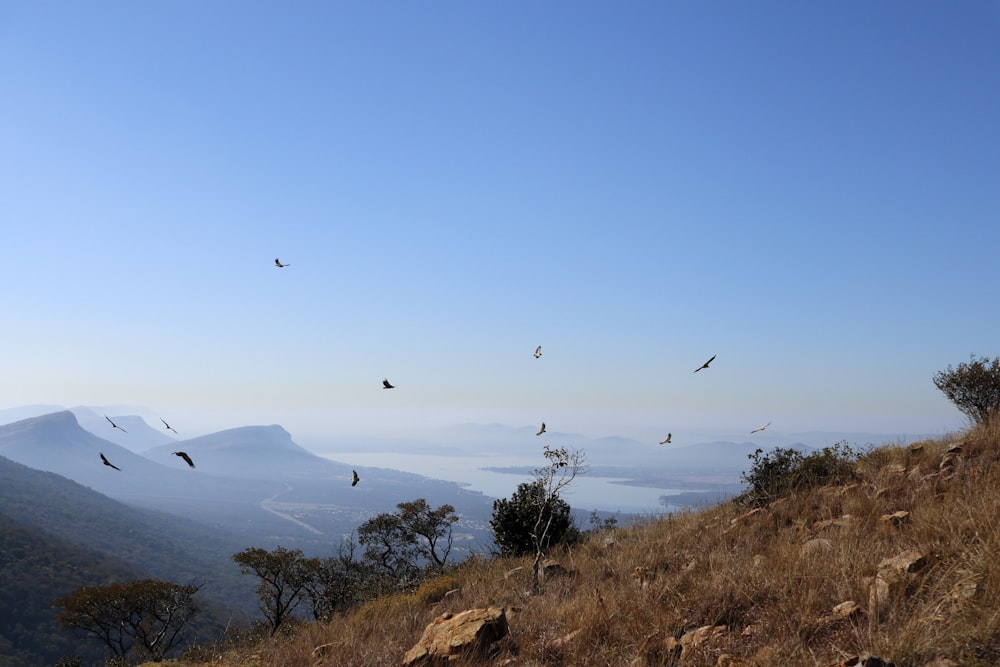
974, 387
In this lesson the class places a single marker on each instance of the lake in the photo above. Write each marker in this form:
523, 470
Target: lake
586, 493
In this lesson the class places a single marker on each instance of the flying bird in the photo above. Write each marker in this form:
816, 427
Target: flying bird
538, 351
705, 365
761, 428
184, 456
108, 463
278, 263
541, 430
115, 425
386, 385
355, 479
666, 440
169, 427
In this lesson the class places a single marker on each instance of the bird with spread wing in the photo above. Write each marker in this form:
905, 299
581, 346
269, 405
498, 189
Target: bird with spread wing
184, 456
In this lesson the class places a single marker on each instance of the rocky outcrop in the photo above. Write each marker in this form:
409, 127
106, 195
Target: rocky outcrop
893, 577
452, 638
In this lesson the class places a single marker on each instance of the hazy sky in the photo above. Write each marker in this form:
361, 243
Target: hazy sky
808, 190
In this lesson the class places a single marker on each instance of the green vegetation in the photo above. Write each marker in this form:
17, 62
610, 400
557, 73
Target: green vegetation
974, 388
781, 471
284, 575
403, 543
143, 617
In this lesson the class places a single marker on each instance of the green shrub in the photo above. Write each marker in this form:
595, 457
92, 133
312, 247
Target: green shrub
781, 471
974, 387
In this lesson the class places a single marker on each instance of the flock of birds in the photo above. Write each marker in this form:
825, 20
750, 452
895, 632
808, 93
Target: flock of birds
388, 385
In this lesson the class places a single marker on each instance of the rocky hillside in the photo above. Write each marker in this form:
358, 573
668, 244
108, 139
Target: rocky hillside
895, 565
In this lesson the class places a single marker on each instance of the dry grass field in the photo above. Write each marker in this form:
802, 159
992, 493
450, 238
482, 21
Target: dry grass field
900, 561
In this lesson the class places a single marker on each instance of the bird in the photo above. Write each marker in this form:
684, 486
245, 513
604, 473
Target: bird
115, 425
666, 440
184, 456
278, 263
538, 351
108, 463
169, 427
761, 428
386, 385
705, 365
541, 430
355, 479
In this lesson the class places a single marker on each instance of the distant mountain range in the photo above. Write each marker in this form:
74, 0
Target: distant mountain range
253, 480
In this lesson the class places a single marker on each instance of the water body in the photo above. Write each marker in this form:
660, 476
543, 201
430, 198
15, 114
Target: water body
587, 492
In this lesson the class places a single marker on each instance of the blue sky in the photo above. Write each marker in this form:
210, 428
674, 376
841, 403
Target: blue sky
808, 190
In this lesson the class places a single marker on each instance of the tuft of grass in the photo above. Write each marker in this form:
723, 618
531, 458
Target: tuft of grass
767, 574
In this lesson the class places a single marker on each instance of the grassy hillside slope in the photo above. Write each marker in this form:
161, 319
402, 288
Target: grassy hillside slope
911, 539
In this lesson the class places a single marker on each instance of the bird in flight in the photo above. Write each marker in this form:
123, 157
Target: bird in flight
108, 463
278, 263
761, 428
705, 365
355, 479
666, 440
169, 427
386, 385
184, 456
538, 351
115, 425
541, 430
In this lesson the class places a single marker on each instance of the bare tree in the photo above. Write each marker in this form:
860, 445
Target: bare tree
562, 468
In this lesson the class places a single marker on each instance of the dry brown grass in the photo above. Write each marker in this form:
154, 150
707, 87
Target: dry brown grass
772, 577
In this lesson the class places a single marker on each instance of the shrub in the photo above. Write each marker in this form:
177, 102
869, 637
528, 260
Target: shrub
974, 387
516, 519
781, 471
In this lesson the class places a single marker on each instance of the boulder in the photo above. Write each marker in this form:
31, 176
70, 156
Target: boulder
452, 638
893, 577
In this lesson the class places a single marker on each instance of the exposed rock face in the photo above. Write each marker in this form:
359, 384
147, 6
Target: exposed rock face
451, 638
894, 575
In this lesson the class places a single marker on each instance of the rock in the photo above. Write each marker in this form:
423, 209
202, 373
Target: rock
894, 470
816, 547
895, 519
452, 637
845, 521
846, 609
866, 660
893, 577
694, 638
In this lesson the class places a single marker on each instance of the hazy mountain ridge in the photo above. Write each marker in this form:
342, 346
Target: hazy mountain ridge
253, 480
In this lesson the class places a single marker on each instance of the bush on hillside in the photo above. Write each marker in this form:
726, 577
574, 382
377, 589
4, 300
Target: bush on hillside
515, 520
974, 387
783, 470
